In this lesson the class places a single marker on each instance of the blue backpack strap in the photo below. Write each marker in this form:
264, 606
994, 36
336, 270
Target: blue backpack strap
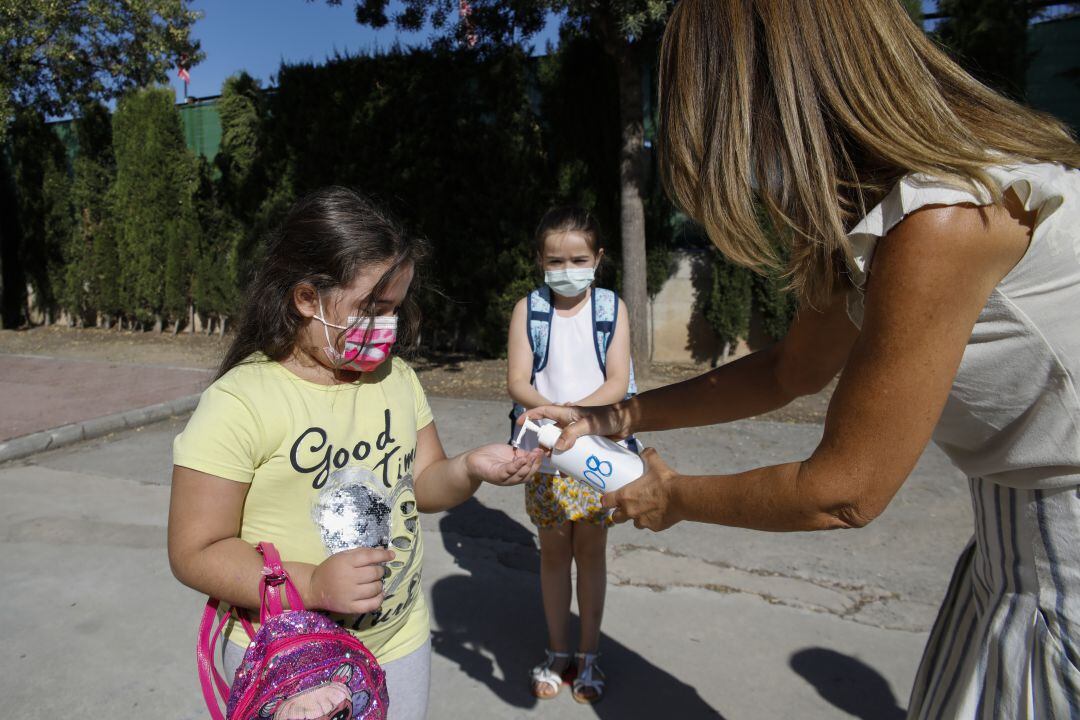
540, 312
605, 306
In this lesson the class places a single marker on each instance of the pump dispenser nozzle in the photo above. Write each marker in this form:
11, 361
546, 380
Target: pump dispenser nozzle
547, 435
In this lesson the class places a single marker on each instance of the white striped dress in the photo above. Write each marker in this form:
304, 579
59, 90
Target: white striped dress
1006, 643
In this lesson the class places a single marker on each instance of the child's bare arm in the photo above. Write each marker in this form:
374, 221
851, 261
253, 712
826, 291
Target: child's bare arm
206, 553
618, 366
442, 482
519, 360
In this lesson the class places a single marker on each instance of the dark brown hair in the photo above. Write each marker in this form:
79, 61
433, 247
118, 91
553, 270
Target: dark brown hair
327, 237
565, 219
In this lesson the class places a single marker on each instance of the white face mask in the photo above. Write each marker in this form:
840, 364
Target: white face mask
571, 282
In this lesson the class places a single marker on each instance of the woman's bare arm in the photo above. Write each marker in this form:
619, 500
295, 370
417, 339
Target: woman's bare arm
804, 362
931, 278
519, 356
617, 370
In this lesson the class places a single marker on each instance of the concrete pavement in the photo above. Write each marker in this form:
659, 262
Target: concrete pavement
701, 621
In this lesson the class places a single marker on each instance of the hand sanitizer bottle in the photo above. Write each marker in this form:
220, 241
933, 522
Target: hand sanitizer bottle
596, 461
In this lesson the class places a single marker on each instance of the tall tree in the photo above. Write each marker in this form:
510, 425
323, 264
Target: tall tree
626, 28
40, 220
241, 184
91, 255
57, 56
451, 141
727, 302
990, 39
914, 8
153, 206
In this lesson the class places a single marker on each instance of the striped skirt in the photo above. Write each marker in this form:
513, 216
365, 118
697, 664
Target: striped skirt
1005, 643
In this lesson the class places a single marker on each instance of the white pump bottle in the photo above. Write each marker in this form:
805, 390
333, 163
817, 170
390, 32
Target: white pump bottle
598, 462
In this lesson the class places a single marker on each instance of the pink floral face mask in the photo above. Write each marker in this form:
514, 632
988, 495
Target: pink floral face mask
368, 341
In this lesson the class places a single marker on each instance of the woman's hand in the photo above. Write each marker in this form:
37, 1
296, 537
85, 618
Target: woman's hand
650, 500
502, 464
350, 582
576, 421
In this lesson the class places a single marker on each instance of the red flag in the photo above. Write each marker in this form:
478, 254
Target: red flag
182, 66
464, 10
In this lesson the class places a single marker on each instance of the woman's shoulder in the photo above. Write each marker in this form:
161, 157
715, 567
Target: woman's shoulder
1042, 187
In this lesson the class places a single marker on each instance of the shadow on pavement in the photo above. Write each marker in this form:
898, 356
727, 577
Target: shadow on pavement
492, 624
848, 683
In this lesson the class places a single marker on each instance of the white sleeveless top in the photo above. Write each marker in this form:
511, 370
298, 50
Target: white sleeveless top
572, 371
1013, 413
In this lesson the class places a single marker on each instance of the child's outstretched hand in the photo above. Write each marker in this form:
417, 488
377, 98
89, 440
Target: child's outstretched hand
502, 464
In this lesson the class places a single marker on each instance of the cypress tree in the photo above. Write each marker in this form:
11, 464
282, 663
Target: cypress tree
155, 225
214, 286
89, 283
990, 39
42, 213
727, 304
775, 304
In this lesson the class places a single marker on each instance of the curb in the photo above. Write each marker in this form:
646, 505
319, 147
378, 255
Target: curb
26, 445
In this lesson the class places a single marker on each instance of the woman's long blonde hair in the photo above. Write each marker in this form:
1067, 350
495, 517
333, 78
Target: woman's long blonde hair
815, 110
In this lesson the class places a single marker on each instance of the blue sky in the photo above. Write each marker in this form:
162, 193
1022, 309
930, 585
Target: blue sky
257, 35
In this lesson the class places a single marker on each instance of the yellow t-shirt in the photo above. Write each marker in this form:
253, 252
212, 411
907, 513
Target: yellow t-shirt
330, 468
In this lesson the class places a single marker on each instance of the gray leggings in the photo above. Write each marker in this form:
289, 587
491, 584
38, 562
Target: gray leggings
407, 679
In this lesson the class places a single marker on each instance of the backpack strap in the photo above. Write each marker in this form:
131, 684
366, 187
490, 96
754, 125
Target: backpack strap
540, 311
274, 576
605, 307
213, 684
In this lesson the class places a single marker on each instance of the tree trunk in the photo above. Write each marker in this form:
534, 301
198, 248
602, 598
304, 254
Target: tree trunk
727, 352
176, 327
221, 326
12, 277
632, 206
159, 323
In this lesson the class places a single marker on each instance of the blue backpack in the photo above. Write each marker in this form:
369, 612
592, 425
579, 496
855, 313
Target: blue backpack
605, 307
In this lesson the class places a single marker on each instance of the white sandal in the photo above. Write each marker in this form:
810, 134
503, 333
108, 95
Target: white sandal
544, 675
589, 677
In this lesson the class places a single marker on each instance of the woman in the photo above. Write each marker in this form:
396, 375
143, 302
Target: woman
932, 227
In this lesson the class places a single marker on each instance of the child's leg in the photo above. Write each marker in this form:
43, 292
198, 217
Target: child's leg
590, 555
556, 554
231, 657
407, 682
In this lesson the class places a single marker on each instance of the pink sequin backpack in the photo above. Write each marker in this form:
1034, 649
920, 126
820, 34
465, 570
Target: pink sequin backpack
299, 666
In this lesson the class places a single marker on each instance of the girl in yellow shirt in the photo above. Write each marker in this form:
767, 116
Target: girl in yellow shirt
314, 438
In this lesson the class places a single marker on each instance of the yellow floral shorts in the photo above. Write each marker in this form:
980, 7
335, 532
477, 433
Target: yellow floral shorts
552, 500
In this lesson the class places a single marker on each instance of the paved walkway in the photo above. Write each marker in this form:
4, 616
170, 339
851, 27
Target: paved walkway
701, 621
41, 393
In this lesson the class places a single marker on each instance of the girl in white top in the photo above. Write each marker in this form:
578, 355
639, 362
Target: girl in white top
571, 522
933, 230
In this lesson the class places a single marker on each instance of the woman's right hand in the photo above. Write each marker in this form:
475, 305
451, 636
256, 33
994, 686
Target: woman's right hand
350, 582
610, 421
